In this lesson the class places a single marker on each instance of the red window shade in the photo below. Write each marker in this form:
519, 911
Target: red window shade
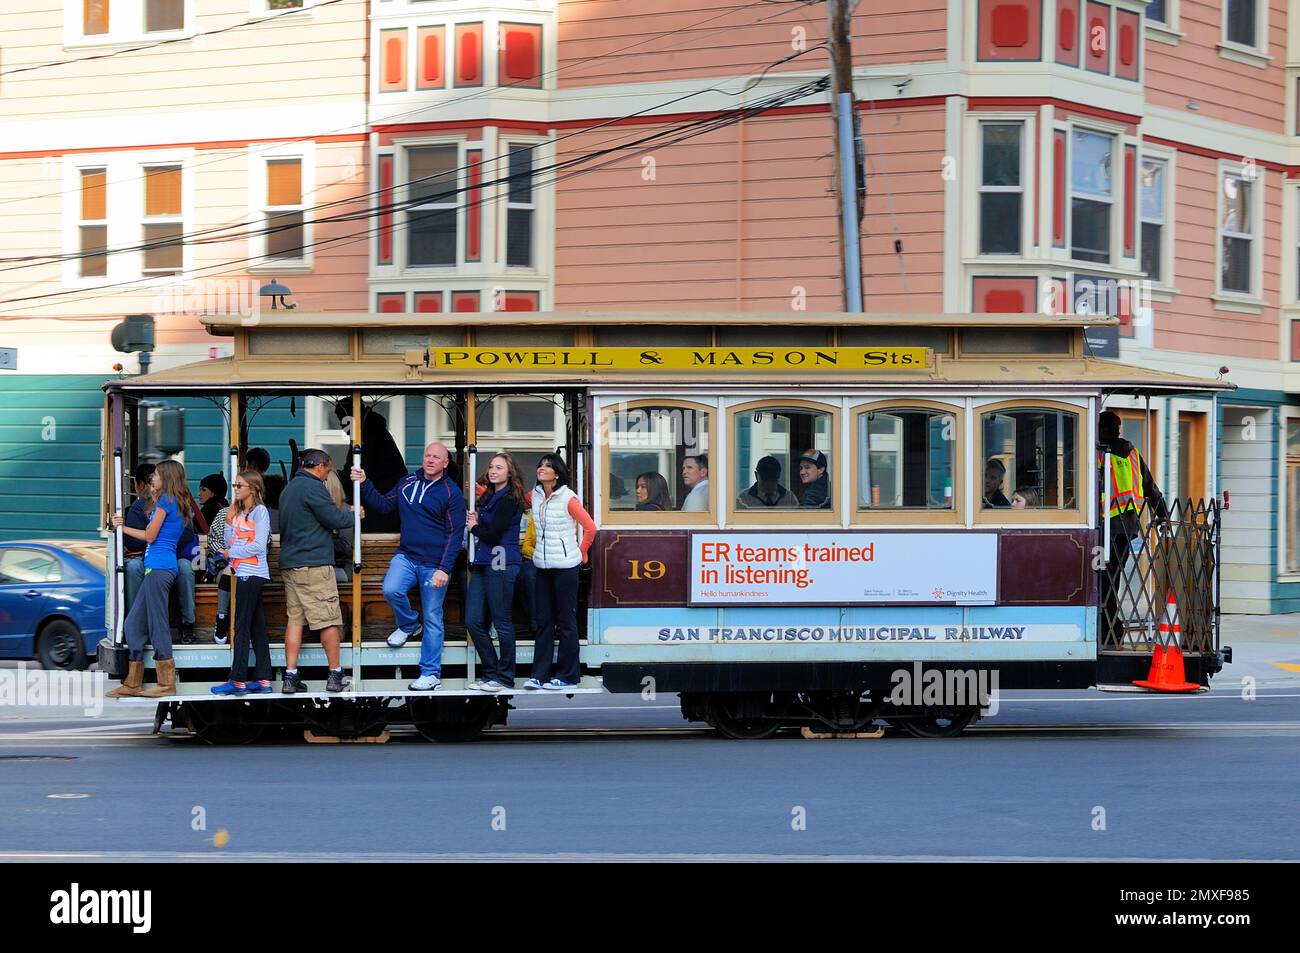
428, 302
1295, 340
94, 17
392, 60
469, 54
430, 73
1059, 171
1067, 32
1004, 295
1096, 40
93, 205
1124, 310
1130, 198
385, 218
464, 301
474, 206
392, 303
1056, 300
521, 55
1010, 30
1126, 47
519, 301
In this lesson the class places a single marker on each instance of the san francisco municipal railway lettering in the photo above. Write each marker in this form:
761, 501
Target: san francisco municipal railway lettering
861, 633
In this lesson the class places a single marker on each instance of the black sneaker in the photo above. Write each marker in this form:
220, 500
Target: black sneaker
293, 683
337, 681
187, 633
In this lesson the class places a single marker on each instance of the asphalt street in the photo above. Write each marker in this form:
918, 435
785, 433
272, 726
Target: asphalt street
1052, 775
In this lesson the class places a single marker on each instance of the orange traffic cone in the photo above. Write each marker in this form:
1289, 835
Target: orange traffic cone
1167, 671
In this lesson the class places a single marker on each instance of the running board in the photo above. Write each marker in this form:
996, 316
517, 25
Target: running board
370, 688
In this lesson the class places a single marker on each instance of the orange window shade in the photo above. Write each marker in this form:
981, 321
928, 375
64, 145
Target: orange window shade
93, 204
392, 303
431, 40
469, 54
464, 301
520, 301
94, 17
284, 182
162, 191
521, 55
386, 217
474, 207
392, 58
428, 302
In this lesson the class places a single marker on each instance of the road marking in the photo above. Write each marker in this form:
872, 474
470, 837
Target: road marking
1287, 666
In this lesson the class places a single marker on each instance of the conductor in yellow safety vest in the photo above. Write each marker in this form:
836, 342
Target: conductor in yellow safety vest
1131, 486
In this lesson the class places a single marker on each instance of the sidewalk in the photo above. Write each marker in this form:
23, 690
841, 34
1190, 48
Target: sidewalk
1264, 647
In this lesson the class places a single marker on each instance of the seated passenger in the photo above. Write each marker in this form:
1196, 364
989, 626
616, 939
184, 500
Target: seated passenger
212, 496
816, 482
766, 489
652, 492
342, 537
1025, 498
994, 473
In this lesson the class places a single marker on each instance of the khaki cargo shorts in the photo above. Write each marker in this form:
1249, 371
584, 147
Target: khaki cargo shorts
311, 597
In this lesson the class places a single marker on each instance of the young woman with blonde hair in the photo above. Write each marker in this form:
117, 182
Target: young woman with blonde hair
248, 531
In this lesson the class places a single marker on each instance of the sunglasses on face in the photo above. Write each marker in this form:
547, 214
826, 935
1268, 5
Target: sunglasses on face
241, 486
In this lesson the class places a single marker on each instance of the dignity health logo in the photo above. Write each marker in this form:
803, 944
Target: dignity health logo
96, 907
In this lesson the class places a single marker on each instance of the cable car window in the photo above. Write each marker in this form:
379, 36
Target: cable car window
936, 338
731, 335
658, 460
1015, 340
906, 459
782, 459
1030, 459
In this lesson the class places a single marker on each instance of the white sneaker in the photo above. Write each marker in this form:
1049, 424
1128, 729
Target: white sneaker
425, 683
475, 686
532, 684
397, 638
490, 686
555, 685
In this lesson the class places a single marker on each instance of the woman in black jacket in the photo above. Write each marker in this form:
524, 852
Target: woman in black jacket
494, 524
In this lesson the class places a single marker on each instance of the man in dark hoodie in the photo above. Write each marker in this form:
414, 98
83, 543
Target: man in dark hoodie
431, 509
311, 595
1130, 485
816, 482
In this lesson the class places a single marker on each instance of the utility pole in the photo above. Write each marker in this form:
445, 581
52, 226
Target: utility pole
839, 15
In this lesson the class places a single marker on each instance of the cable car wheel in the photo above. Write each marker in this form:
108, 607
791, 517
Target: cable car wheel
744, 716
935, 723
223, 723
451, 720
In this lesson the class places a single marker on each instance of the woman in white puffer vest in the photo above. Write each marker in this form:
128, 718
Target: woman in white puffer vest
559, 550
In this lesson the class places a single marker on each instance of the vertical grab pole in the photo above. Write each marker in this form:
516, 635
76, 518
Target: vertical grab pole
119, 556
235, 413
471, 481
1105, 534
356, 543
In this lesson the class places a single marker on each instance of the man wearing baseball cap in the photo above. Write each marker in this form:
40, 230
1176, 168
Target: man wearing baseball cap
816, 482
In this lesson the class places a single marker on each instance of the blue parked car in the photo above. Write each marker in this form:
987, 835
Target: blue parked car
52, 601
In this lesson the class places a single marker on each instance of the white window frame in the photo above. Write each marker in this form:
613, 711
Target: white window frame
1251, 302
261, 10
124, 200
1166, 32
1162, 290
1286, 414
91, 223
983, 189
147, 220
401, 184
1290, 296
1116, 199
972, 171
1255, 54
259, 157
534, 206
125, 24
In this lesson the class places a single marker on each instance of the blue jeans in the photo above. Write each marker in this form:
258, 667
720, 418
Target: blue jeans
184, 585
528, 582
491, 592
403, 574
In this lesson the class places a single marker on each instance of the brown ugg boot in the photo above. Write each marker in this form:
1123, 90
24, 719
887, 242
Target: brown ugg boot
131, 684
166, 680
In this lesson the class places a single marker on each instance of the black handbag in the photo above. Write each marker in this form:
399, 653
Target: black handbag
223, 582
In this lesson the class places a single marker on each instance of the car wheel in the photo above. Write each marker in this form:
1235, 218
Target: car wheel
59, 646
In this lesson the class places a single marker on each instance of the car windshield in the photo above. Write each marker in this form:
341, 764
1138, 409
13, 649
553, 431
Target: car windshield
97, 556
